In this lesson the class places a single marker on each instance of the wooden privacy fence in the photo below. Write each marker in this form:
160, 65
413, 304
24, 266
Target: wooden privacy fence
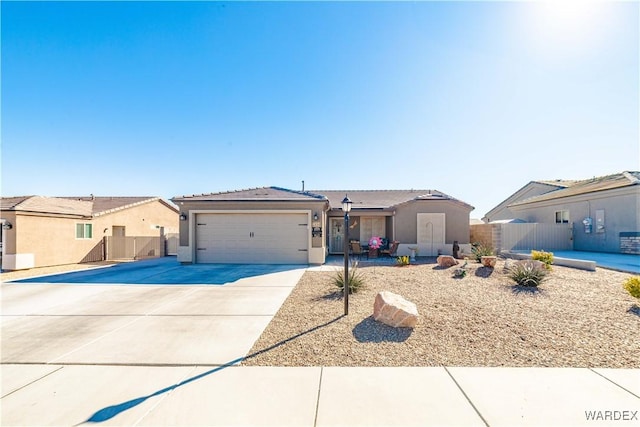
129, 247
524, 237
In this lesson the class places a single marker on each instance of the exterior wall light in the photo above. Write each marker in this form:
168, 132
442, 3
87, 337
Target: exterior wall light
7, 225
183, 217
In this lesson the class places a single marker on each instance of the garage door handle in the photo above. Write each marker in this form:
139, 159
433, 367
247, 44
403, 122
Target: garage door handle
202, 249
302, 250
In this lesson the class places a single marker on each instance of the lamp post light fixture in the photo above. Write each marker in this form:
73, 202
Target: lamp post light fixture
346, 208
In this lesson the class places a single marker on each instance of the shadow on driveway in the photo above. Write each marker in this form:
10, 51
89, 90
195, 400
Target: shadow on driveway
163, 271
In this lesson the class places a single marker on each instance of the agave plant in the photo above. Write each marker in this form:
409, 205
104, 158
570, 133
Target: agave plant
528, 274
356, 281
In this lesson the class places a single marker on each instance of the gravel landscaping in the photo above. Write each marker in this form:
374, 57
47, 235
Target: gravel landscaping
575, 318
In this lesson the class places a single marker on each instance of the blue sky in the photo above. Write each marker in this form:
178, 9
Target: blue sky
474, 99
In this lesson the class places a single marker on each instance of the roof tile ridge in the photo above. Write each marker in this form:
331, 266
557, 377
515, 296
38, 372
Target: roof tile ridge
629, 175
24, 199
302, 193
218, 193
119, 208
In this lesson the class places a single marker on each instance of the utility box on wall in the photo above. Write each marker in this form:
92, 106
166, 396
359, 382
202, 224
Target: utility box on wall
600, 221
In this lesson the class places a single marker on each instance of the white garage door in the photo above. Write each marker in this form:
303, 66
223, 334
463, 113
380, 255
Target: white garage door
251, 238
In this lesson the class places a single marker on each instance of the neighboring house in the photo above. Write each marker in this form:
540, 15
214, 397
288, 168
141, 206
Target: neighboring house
277, 225
603, 212
502, 212
44, 231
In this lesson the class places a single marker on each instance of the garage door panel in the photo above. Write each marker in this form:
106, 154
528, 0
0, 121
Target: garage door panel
252, 238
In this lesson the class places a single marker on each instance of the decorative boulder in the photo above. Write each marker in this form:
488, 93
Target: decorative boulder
446, 261
393, 310
489, 261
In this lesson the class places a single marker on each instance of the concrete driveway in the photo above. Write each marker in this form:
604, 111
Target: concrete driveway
142, 324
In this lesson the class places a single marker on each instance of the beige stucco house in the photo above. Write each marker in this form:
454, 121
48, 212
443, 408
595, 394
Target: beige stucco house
278, 225
42, 231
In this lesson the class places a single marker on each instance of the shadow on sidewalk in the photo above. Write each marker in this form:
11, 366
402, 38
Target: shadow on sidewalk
109, 412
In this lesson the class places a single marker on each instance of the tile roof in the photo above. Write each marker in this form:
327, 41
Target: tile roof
362, 199
78, 206
51, 205
382, 199
254, 194
105, 205
593, 185
8, 203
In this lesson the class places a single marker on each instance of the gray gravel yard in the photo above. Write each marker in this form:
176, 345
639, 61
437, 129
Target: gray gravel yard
574, 319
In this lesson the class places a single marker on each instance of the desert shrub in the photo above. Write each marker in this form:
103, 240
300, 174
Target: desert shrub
546, 257
527, 273
403, 260
356, 281
479, 250
632, 285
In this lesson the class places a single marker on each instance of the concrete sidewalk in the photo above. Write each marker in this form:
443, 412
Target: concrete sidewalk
41, 395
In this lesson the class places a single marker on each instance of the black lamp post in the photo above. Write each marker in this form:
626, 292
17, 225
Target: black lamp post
346, 207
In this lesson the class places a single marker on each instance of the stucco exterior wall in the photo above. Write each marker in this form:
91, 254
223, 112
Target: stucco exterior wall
141, 220
9, 236
51, 240
456, 220
621, 207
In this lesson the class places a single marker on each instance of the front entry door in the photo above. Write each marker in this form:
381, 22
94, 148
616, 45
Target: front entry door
336, 241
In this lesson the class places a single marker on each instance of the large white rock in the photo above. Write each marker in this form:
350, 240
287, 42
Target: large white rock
393, 310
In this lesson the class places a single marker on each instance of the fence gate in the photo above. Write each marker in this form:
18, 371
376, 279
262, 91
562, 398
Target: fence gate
130, 247
171, 243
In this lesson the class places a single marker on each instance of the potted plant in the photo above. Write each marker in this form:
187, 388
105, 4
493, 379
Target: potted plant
374, 244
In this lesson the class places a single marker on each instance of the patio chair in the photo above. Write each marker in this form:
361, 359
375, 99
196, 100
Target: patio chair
356, 249
393, 248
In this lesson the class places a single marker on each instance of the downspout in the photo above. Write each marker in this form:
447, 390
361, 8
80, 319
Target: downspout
393, 225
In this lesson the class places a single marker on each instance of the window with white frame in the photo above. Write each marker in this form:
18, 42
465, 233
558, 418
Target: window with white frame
84, 231
562, 217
